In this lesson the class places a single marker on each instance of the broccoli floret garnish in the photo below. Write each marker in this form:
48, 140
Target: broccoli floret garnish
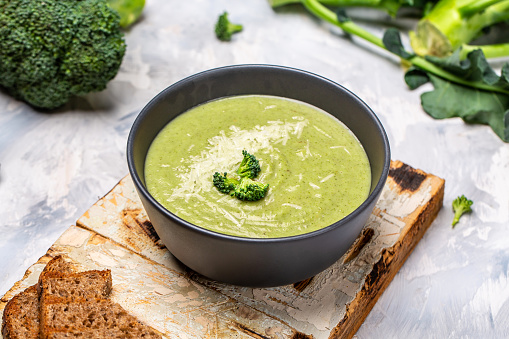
246, 189
223, 183
460, 205
54, 49
249, 167
225, 29
250, 190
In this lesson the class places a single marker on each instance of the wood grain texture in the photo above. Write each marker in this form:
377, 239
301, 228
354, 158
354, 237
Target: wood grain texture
151, 284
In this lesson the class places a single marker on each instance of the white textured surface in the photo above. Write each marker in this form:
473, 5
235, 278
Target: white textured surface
55, 166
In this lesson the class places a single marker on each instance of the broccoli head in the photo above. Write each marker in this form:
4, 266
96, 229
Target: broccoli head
225, 29
249, 167
54, 49
223, 183
250, 190
460, 205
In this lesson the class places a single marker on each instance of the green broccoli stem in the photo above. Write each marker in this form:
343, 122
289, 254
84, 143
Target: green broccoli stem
234, 28
476, 6
457, 216
316, 8
490, 51
390, 6
361, 3
322, 12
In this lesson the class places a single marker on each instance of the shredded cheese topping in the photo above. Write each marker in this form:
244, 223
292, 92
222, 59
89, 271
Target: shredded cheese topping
224, 152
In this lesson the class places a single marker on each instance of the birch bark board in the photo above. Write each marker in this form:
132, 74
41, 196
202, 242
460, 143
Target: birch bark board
151, 284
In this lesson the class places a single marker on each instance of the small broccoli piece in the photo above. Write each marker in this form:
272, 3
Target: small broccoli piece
247, 189
54, 49
250, 190
460, 205
223, 183
249, 167
225, 29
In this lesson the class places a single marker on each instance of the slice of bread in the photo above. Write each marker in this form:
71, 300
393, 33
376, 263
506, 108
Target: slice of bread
82, 285
69, 304
110, 334
21, 316
57, 264
21, 313
99, 318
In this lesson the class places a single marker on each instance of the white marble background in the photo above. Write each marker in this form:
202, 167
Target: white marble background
55, 166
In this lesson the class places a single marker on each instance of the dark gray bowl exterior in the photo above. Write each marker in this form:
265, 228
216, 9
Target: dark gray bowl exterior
248, 261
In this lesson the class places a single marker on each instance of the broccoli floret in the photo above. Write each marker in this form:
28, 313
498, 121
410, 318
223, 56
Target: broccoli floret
460, 205
250, 190
246, 189
54, 49
223, 183
225, 29
249, 167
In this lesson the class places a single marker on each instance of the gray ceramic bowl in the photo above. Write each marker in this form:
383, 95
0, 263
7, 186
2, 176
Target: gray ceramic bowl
248, 261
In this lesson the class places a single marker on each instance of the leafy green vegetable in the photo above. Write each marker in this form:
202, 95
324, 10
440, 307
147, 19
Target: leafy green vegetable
460, 206
468, 88
392, 42
449, 100
129, 10
224, 28
54, 49
246, 188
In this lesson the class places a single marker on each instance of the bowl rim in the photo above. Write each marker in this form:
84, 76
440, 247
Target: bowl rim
141, 189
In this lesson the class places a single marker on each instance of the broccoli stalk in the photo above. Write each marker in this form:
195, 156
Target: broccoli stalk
128, 10
454, 23
246, 189
54, 49
390, 6
315, 7
460, 205
225, 29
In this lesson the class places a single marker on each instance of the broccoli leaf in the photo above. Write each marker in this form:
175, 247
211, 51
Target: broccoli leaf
342, 16
392, 41
128, 10
474, 68
449, 100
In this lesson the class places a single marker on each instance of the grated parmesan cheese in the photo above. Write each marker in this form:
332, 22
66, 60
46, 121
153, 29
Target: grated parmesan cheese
327, 177
297, 207
224, 153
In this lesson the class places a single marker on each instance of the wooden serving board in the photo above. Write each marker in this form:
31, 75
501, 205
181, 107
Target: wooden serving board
151, 284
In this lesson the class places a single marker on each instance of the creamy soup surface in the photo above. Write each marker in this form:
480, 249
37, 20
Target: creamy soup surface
317, 170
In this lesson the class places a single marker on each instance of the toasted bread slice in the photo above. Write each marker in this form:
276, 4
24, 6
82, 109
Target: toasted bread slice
97, 318
81, 285
21, 313
57, 264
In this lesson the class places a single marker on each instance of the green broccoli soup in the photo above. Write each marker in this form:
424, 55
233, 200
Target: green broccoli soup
316, 169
